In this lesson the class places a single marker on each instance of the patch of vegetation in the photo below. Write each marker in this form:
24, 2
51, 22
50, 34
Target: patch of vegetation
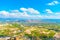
35, 32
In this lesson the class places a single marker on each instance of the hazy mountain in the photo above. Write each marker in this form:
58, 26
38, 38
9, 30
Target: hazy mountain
30, 20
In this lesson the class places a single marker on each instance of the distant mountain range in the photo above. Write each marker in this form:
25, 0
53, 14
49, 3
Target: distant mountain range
30, 20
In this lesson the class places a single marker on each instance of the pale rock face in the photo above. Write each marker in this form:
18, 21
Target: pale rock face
28, 31
57, 35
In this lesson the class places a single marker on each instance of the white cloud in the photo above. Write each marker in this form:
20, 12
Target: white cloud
12, 14
17, 14
14, 11
57, 13
23, 9
4, 14
48, 11
25, 14
30, 10
33, 11
51, 14
53, 3
54, 17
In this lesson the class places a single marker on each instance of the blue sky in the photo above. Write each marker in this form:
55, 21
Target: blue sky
35, 9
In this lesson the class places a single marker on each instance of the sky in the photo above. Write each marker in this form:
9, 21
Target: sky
30, 9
